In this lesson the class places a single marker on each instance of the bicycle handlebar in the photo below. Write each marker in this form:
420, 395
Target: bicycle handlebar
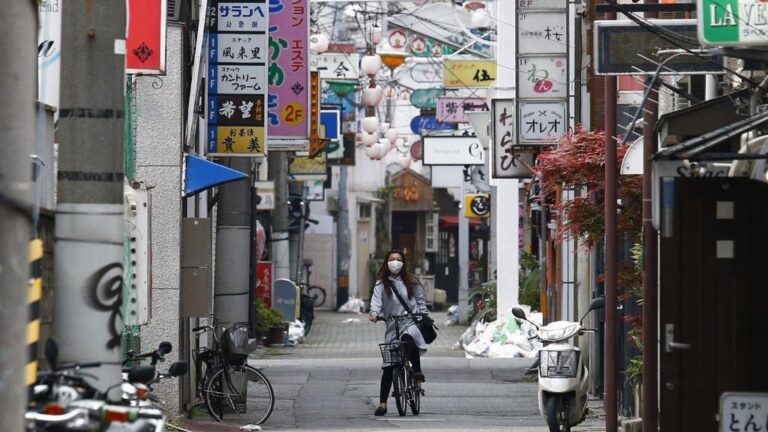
400, 317
201, 328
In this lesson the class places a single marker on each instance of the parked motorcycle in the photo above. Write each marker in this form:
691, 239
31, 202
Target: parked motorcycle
563, 375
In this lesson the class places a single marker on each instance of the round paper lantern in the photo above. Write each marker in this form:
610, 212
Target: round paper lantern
372, 95
385, 144
370, 124
481, 19
319, 42
384, 128
375, 34
370, 64
404, 161
369, 139
375, 151
391, 134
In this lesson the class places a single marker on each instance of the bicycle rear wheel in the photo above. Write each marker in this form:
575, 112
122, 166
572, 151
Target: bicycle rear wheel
415, 389
398, 379
242, 394
318, 295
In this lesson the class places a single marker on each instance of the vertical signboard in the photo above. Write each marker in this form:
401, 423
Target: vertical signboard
288, 101
542, 77
264, 282
237, 78
508, 161
49, 53
145, 38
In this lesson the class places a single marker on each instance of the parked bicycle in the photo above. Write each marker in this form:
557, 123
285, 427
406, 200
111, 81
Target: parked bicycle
316, 292
406, 390
231, 389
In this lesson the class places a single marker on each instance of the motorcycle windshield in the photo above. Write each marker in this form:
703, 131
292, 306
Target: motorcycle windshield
558, 330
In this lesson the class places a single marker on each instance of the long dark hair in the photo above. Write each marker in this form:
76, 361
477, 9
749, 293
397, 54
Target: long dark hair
383, 275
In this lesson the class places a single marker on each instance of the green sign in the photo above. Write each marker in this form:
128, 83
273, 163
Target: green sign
733, 22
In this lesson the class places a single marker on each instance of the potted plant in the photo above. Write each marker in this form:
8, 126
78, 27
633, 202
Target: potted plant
273, 319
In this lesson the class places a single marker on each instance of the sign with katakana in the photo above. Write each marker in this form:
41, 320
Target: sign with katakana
542, 32
289, 65
338, 66
237, 78
542, 77
468, 73
450, 109
542, 122
742, 412
237, 48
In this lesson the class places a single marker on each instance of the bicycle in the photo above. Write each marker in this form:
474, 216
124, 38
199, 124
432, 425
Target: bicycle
406, 390
316, 292
228, 385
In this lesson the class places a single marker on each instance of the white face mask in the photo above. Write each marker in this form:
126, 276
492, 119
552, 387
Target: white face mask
395, 266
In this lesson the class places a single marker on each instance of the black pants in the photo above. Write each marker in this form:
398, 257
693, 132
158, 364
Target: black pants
412, 351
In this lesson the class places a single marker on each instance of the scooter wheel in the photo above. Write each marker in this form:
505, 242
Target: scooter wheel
554, 407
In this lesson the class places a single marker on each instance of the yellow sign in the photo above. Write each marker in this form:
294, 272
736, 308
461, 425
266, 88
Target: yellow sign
240, 140
468, 73
304, 168
477, 205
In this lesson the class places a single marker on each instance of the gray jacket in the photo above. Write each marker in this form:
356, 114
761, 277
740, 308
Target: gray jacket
385, 306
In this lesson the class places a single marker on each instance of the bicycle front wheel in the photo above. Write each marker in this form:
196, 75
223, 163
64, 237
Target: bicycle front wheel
241, 394
318, 295
398, 379
415, 389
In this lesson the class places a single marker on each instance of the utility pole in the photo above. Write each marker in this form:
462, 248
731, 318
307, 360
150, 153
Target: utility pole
463, 251
89, 248
18, 85
278, 172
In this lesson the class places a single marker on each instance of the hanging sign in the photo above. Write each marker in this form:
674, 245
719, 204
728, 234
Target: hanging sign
304, 168
504, 138
426, 98
419, 124
477, 205
264, 282
452, 109
542, 122
448, 150
266, 191
542, 32
338, 66
468, 73
289, 97
237, 79
145, 37
542, 77
425, 73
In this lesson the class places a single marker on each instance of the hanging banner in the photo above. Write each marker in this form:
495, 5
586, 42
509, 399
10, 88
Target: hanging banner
288, 101
145, 37
451, 109
264, 282
469, 73
237, 78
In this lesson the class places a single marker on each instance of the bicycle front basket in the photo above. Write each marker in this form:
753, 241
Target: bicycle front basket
235, 344
391, 353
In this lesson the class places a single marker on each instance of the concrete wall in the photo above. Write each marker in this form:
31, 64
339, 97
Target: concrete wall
158, 129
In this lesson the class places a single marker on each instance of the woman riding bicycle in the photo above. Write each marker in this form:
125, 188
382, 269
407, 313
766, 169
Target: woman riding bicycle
393, 275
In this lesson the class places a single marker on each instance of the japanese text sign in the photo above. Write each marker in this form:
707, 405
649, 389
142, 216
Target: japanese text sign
741, 412
504, 138
338, 66
451, 109
525, 5
542, 122
237, 78
288, 101
477, 205
469, 73
264, 282
145, 38
542, 77
542, 32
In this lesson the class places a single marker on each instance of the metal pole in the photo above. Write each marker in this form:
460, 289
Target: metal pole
611, 252
544, 298
342, 241
650, 267
18, 85
463, 255
278, 172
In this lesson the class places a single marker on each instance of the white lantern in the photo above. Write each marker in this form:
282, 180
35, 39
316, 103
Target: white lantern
385, 144
370, 124
404, 161
481, 18
369, 139
370, 64
319, 42
375, 34
372, 95
384, 128
391, 134
375, 151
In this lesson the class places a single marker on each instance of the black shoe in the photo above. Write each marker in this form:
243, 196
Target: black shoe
380, 411
419, 377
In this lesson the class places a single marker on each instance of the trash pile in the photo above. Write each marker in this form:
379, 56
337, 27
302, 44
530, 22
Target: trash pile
295, 333
353, 305
502, 338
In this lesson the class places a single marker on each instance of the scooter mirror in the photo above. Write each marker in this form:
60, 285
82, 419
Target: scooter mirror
597, 303
164, 348
178, 369
519, 313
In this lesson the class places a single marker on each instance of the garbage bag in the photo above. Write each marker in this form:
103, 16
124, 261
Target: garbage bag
353, 305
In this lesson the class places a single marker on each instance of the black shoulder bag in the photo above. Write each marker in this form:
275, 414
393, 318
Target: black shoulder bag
426, 325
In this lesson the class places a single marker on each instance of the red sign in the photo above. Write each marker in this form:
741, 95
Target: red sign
145, 38
264, 282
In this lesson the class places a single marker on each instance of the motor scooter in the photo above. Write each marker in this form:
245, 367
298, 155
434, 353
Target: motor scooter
563, 375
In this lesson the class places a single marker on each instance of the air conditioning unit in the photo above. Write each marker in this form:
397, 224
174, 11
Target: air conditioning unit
173, 8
